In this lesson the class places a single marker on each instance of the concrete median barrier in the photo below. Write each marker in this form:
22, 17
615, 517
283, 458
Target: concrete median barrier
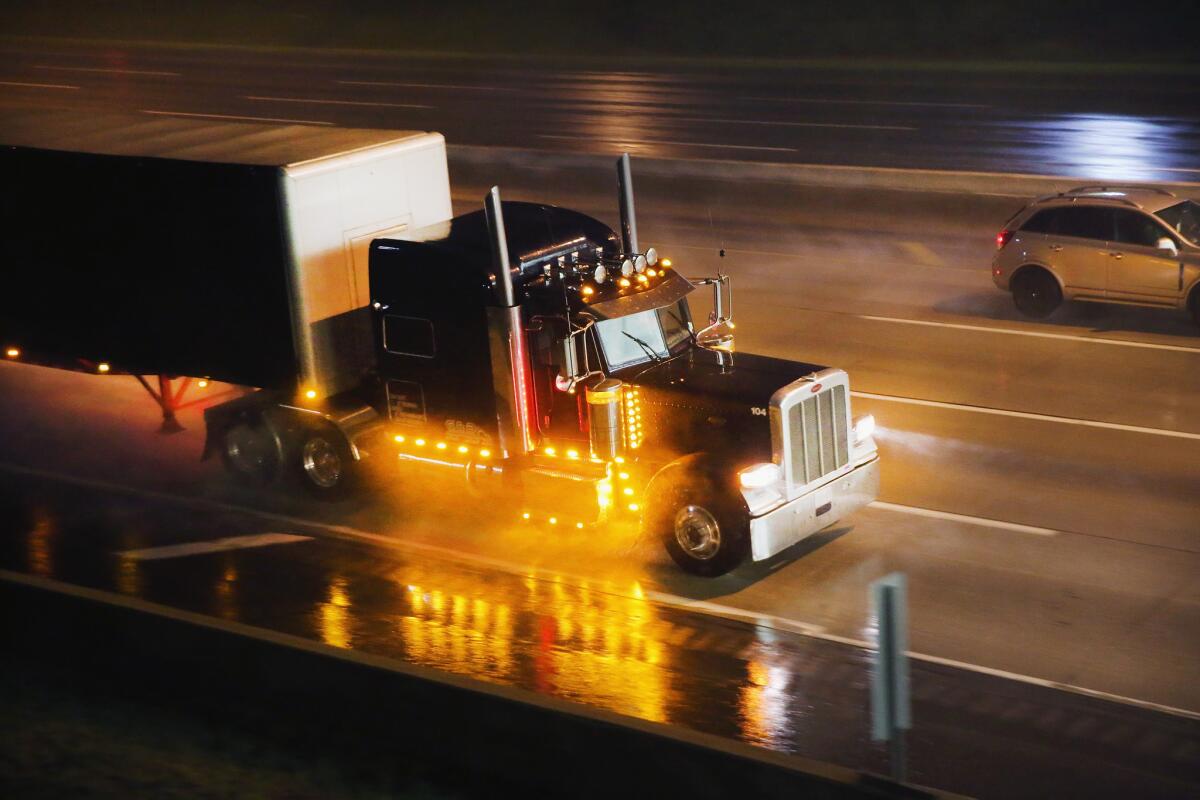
830, 175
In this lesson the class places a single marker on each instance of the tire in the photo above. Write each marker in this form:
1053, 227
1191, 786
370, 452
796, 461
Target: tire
324, 464
1036, 293
251, 451
703, 524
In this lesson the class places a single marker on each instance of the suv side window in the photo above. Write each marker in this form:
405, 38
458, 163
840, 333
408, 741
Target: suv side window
1041, 222
1138, 229
1085, 222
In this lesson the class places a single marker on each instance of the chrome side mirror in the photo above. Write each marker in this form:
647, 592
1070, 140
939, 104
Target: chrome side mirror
719, 331
573, 367
1168, 244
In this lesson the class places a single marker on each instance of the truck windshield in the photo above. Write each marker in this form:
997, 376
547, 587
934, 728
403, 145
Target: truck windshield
644, 336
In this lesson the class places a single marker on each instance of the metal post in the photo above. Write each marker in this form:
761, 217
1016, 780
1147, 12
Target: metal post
891, 712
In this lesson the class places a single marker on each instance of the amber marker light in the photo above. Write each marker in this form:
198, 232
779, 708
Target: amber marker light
588, 291
12, 352
579, 525
202, 383
102, 367
311, 394
666, 262
419, 442
553, 520
623, 283
485, 453
462, 448
572, 454
525, 515
550, 451
633, 506
441, 445
399, 439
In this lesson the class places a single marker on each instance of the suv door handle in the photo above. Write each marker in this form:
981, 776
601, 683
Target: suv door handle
1056, 248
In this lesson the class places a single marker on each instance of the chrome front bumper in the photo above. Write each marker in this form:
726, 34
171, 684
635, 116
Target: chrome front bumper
781, 526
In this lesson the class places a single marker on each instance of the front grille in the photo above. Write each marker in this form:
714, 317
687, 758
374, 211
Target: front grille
817, 432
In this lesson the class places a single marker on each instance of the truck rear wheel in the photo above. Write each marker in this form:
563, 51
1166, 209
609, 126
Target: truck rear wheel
703, 526
251, 451
326, 466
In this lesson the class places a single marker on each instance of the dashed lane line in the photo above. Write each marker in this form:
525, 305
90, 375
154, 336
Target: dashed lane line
211, 546
1001, 412
315, 101
984, 522
240, 118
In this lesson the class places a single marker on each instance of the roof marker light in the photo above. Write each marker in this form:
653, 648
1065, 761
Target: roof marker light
102, 367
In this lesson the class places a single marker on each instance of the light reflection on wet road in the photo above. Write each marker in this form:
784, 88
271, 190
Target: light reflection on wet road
596, 643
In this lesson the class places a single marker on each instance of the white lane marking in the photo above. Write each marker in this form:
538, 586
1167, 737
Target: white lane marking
211, 546
984, 522
794, 124
632, 143
38, 85
1003, 412
333, 102
110, 70
838, 102
1037, 334
234, 116
430, 86
709, 608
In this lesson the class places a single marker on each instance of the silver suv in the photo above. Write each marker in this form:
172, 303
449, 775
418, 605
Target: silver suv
1109, 244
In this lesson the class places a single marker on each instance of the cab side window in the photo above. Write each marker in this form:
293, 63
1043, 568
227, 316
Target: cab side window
1085, 223
1138, 229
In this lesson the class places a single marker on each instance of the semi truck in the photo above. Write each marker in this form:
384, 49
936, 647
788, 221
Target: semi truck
521, 352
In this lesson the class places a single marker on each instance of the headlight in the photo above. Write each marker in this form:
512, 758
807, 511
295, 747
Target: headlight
864, 428
759, 475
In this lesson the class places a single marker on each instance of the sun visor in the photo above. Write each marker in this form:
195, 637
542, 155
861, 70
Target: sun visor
671, 289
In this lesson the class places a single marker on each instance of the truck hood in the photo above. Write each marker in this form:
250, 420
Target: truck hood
692, 403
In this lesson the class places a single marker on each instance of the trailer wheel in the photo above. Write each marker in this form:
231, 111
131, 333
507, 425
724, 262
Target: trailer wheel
326, 466
251, 451
704, 527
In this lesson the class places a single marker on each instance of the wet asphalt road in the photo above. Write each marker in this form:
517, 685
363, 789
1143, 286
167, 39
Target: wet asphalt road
1110, 126
595, 643
1106, 599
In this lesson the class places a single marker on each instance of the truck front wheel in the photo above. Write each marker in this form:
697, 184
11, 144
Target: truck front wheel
327, 467
703, 526
250, 450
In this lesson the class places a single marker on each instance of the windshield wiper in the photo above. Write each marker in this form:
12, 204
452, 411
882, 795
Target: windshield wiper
691, 333
649, 351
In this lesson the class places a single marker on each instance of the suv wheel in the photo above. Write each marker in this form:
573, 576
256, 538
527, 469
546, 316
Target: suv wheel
1036, 293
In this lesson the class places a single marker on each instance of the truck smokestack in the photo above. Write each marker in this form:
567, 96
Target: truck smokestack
510, 368
629, 238
495, 221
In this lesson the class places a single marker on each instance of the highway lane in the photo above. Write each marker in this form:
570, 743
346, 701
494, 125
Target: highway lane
1106, 612
605, 643
1107, 126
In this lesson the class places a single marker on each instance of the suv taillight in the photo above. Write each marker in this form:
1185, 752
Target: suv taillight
1002, 238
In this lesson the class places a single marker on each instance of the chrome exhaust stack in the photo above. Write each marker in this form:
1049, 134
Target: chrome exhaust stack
506, 335
629, 237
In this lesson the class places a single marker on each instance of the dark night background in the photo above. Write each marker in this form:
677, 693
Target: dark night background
982, 30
